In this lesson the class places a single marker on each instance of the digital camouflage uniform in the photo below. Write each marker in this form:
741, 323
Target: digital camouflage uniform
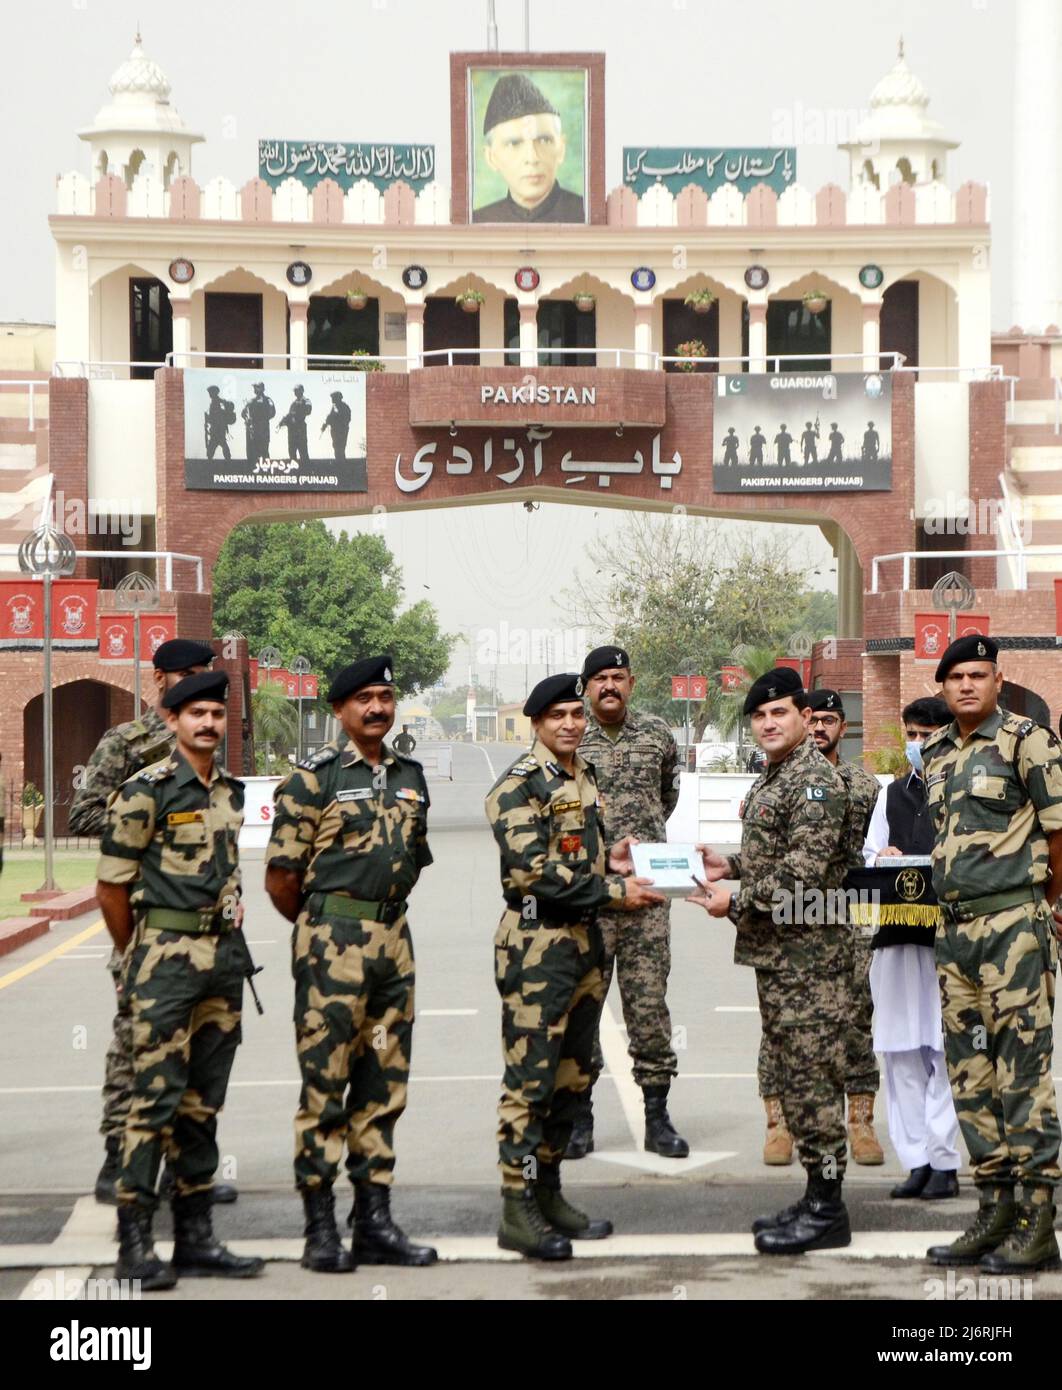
795, 842
548, 952
120, 754
995, 796
637, 775
173, 840
861, 1066
359, 836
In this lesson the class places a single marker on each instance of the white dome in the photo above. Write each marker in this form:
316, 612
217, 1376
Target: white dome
900, 87
140, 75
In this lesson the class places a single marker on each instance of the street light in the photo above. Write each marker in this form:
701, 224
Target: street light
269, 660
299, 668
139, 591
48, 554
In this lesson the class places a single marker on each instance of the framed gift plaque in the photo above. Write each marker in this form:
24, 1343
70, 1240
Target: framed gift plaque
527, 138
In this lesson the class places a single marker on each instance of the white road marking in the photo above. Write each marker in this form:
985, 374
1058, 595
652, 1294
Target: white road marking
663, 1167
446, 1013
75, 1253
617, 1059
493, 774
85, 955
737, 1008
261, 940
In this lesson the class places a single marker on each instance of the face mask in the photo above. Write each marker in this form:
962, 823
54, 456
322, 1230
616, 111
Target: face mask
914, 754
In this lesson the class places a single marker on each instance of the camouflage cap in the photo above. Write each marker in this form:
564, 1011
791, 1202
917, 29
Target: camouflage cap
205, 685
554, 690
181, 654
515, 95
971, 648
772, 685
373, 670
825, 699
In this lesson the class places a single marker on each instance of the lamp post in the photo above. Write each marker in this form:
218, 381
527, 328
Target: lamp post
955, 594
299, 668
268, 660
48, 554
139, 591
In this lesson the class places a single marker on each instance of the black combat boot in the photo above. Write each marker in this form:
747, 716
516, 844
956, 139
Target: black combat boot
377, 1240
581, 1142
943, 1183
1031, 1246
221, 1194
660, 1135
820, 1222
136, 1252
996, 1218
324, 1251
196, 1251
108, 1174
524, 1228
560, 1213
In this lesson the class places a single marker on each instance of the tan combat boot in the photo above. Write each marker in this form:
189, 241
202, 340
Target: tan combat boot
861, 1136
778, 1145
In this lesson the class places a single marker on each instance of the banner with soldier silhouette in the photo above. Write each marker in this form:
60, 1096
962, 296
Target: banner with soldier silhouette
260, 431
803, 432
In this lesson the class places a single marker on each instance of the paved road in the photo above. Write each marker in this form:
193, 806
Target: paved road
682, 1227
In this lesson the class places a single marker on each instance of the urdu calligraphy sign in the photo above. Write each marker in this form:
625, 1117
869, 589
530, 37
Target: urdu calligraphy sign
677, 166
346, 162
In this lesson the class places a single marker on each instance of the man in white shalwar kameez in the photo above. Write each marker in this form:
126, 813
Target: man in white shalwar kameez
908, 1029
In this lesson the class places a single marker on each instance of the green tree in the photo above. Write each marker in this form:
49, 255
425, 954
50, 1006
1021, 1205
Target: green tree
332, 599
682, 591
276, 722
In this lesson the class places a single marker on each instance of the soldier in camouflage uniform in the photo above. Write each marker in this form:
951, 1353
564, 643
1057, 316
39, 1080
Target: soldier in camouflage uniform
169, 889
349, 841
994, 783
545, 815
862, 1078
791, 927
120, 753
636, 765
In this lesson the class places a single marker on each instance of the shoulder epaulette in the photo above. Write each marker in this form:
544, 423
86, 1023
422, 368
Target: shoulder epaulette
318, 759
553, 767
522, 768
132, 731
156, 772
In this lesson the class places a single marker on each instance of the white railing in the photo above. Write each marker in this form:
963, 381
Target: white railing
1010, 534
32, 386
167, 556
98, 371
993, 372
1020, 553
759, 358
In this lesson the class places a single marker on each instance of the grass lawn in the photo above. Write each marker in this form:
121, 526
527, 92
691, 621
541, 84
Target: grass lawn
24, 873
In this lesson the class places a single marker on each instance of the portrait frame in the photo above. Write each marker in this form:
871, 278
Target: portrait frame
468, 93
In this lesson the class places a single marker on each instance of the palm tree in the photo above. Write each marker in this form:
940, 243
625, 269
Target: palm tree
276, 719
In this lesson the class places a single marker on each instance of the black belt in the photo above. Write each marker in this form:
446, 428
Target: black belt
554, 918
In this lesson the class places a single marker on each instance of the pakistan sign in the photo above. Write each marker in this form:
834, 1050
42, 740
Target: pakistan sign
310, 161
803, 432
679, 165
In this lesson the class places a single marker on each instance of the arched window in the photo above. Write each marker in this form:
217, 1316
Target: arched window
870, 173
171, 169
133, 167
102, 163
934, 170
903, 166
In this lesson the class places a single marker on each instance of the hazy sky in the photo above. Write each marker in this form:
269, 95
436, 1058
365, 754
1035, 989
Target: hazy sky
702, 72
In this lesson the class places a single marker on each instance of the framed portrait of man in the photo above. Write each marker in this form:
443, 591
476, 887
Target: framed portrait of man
526, 138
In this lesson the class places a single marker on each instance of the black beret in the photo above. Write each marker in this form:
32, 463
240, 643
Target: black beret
179, 654
825, 699
553, 691
374, 670
515, 95
604, 659
972, 648
206, 685
772, 685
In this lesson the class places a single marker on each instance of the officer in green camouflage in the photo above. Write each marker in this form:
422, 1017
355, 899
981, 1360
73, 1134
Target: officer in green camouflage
994, 784
636, 765
546, 818
121, 752
169, 889
827, 728
349, 841
791, 924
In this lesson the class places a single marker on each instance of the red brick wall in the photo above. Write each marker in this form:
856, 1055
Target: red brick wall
988, 456
68, 443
